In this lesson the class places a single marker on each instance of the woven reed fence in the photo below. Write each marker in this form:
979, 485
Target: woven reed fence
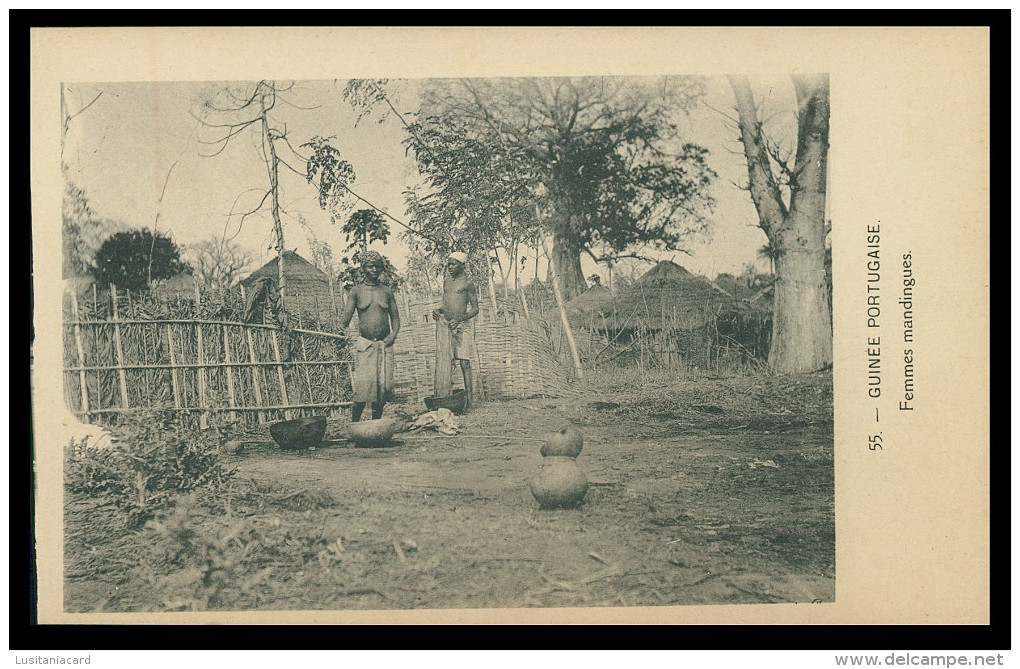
127, 352
515, 356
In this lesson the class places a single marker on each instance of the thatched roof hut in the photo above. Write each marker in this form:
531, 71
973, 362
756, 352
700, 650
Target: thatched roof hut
181, 286
308, 290
593, 302
669, 296
666, 296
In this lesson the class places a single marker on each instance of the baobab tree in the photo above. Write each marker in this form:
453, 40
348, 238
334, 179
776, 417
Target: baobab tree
605, 165
796, 230
596, 163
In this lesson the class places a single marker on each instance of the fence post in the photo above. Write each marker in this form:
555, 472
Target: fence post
304, 358
334, 314
524, 301
283, 381
95, 348
203, 419
174, 381
255, 368
230, 371
255, 375
81, 357
120, 348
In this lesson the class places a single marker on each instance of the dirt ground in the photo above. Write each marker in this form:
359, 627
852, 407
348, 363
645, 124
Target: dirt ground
701, 491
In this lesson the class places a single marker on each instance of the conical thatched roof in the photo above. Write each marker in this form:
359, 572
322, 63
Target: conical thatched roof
294, 267
665, 294
182, 285
666, 273
669, 294
589, 307
307, 294
593, 297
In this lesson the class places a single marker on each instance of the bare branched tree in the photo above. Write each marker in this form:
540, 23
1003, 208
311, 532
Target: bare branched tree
236, 109
218, 263
794, 221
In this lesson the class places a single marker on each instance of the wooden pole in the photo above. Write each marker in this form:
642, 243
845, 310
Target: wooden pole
492, 291
304, 356
196, 366
81, 357
120, 348
578, 370
255, 375
203, 419
279, 370
95, 347
230, 370
192, 321
504, 276
520, 290
174, 381
332, 301
541, 302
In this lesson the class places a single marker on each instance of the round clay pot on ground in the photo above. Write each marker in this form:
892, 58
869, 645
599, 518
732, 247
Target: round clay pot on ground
299, 433
376, 433
565, 442
561, 483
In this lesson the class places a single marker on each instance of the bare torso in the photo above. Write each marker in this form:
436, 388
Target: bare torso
375, 305
458, 296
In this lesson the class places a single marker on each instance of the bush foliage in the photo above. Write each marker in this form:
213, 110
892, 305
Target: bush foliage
156, 456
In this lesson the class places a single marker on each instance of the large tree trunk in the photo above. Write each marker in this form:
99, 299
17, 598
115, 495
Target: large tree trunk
801, 327
801, 322
567, 260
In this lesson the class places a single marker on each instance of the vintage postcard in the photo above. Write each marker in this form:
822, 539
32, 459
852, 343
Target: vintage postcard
475, 325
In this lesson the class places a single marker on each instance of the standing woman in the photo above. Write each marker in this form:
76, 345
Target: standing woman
378, 325
454, 340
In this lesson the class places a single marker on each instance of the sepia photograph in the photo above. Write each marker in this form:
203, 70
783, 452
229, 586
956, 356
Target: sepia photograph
502, 341
514, 342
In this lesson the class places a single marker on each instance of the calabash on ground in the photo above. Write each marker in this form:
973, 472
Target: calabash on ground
565, 442
560, 484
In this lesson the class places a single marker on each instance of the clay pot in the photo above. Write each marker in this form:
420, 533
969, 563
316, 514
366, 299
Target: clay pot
561, 483
299, 433
372, 433
565, 442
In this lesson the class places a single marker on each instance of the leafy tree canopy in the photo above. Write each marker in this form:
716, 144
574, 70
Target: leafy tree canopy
125, 259
599, 163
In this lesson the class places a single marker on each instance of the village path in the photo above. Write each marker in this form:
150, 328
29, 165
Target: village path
673, 515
